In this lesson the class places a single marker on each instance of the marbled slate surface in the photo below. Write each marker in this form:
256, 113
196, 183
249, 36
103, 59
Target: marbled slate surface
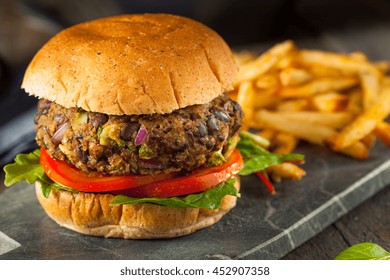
260, 227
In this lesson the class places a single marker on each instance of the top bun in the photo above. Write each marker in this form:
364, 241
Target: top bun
132, 64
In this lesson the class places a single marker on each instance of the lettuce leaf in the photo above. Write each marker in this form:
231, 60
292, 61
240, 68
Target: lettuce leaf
210, 199
256, 158
26, 167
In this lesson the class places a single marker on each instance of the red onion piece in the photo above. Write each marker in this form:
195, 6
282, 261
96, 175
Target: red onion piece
141, 135
60, 132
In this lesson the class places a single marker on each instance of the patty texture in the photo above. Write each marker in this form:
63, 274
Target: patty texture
183, 140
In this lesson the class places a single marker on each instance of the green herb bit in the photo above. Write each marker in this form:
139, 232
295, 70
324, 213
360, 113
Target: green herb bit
145, 152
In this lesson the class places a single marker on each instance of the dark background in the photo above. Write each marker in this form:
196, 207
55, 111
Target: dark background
25, 25
345, 26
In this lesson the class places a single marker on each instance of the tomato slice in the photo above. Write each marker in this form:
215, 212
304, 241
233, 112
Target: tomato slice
159, 185
199, 180
67, 175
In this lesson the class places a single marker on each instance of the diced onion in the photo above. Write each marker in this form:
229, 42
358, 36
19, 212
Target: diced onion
141, 135
60, 132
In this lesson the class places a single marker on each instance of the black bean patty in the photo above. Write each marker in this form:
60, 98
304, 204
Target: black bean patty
183, 140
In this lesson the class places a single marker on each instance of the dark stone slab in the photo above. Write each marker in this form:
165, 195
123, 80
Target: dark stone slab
260, 227
369, 222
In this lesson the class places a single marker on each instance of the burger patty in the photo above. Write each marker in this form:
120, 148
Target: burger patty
185, 139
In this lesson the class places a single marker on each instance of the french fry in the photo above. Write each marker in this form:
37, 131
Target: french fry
354, 105
268, 81
292, 105
319, 85
294, 76
359, 57
386, 81
329, 102
382, 66
369, 140
245, 98
343, 63
321, 71
286, 170
330, 119
365, 123
382, 131
284, 143
357, 150
268, 134
264, 62
313, 133
243, 57
286, 61
265, 99
370, 86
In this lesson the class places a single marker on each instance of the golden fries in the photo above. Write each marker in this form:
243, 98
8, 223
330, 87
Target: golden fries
245, 98
364, 124
284, 143
329, 102
319, 85
348, 65
286, 170
370, 85
264, 63
294, 76
313, 133
330, 119
382, 131
335, 100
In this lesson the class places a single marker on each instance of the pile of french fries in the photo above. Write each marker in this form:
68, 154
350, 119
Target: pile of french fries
331, 99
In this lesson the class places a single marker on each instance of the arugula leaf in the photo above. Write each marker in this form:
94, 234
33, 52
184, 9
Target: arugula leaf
27, 168
257, 158
210, 199
364, 251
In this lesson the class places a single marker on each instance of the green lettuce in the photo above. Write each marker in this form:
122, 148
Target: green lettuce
256, 158
26, 167
210, 199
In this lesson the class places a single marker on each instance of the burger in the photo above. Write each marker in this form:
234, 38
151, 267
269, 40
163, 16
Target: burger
136, 132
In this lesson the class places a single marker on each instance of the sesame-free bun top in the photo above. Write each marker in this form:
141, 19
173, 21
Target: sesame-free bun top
132, 64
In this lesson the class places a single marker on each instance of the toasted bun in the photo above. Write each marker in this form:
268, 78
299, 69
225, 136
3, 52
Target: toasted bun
90, 213
132, 64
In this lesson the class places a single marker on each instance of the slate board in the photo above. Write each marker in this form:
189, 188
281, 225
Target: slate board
260, 227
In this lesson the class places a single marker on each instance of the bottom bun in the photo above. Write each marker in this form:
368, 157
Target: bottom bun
91, 214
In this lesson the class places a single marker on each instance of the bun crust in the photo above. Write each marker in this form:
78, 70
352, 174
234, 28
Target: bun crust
132, 64
90, 213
